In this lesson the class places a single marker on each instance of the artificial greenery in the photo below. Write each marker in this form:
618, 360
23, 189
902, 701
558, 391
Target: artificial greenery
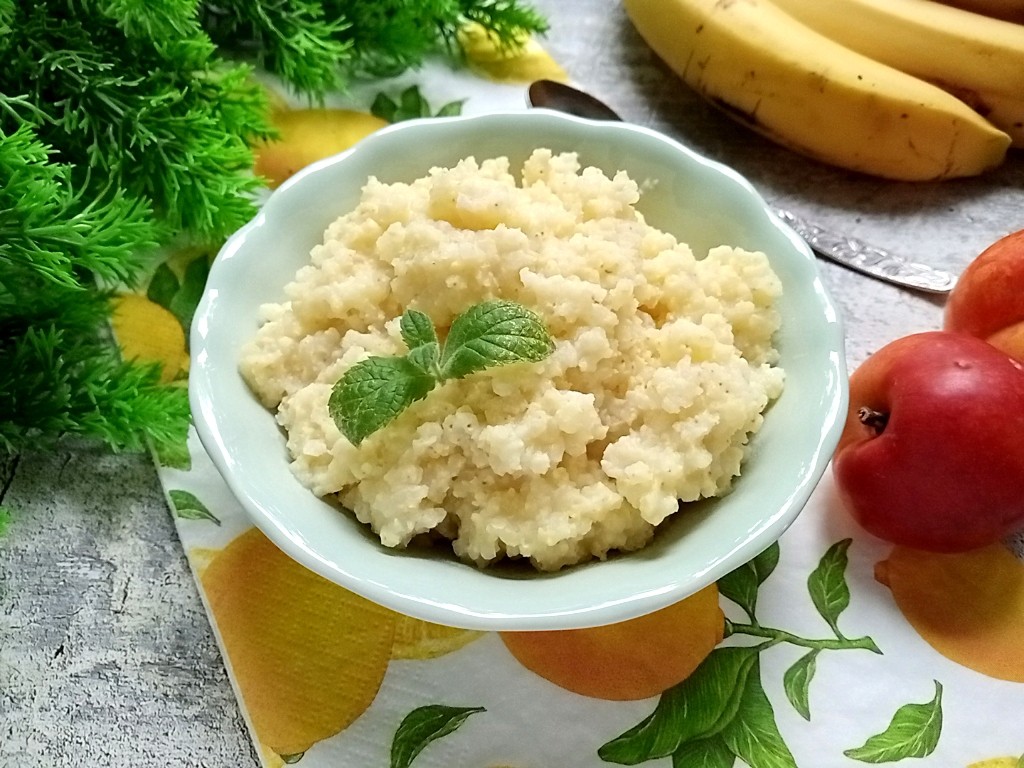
126, 124
320, 45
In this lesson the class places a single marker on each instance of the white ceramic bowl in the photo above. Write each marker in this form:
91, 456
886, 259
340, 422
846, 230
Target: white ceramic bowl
700, 201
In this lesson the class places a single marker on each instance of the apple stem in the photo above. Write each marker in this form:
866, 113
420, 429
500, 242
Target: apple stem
876, 420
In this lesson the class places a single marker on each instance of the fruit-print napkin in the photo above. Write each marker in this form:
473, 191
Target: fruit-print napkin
831, 648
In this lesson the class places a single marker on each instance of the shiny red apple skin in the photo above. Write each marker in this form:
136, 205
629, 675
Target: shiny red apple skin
946, 472
988, 298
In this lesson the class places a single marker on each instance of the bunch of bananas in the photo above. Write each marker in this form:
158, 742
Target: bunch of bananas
914, 90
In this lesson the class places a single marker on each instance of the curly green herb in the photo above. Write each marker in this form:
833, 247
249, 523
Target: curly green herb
126, 124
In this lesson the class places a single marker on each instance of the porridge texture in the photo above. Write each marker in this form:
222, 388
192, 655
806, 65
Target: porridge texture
662, 370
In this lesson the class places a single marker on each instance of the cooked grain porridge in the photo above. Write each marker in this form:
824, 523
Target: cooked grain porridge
663, 364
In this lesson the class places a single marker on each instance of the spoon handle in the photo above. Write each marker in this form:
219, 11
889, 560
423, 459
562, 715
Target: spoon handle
868, 259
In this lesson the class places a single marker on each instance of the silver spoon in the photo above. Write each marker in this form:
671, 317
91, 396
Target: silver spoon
847, 251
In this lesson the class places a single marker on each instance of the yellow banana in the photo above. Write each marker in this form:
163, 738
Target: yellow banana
813, 95
1011, 10
1004, 112
936, 42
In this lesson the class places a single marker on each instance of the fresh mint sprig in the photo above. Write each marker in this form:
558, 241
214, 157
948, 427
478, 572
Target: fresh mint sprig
374, 391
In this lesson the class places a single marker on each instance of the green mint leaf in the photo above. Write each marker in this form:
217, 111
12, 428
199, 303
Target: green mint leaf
913, 732
424, 725
373, 392
493, 333
417, 329
425, 358
827, 584
705, 753
188, 507
753, 735
697, 708
740, 585
797, 683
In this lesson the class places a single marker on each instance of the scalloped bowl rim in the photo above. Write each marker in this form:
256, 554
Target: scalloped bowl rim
787, 458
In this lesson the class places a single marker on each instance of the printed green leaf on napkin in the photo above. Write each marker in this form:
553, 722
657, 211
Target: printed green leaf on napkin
411, 104
424, 725
711, 752
740, 585
721, 712
188, 507
695, 709
752, 734
180, 296
796, 682
827, 584
913, 732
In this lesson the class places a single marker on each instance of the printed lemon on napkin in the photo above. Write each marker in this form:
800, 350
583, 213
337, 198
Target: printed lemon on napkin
306, 135
526, 62
147, 332
307, 655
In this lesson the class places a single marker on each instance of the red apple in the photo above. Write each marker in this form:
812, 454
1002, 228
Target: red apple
932, 454
988, 298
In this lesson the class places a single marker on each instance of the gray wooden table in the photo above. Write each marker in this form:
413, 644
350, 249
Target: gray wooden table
106, 656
